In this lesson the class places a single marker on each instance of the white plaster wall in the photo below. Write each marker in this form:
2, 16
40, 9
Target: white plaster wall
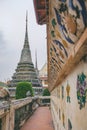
77, 116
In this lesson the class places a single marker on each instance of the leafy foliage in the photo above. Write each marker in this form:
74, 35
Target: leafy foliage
46, 92
22, 89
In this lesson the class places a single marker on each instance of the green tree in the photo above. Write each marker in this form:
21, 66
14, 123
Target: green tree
46, 92
22, 89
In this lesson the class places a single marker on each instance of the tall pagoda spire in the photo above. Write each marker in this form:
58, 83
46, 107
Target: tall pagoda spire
36, 67
25, 70
26, 53
36, 60
26, 42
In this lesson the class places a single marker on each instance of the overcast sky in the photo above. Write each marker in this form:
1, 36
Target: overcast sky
12, 32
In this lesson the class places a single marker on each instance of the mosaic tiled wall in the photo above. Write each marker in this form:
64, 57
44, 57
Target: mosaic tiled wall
69, 100
67, 21
81, 89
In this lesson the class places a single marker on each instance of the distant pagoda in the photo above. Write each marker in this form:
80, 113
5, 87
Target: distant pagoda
25, 69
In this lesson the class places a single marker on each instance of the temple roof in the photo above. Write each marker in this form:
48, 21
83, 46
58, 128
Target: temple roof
43, 71
41, 11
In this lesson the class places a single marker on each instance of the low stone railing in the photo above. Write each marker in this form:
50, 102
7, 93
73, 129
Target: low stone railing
14, 114
4, 115
20, 110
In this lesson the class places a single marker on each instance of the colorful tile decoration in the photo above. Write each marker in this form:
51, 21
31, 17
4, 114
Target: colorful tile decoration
69, 125
70, 17
62, 92
67, 21
81, 89
58, 92
63, 119
68, 93
59, 114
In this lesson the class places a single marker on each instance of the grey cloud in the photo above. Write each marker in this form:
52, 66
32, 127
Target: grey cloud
2, 40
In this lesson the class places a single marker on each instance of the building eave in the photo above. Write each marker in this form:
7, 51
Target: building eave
41, 11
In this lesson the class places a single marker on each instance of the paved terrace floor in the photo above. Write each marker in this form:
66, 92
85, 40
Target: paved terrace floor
40, 120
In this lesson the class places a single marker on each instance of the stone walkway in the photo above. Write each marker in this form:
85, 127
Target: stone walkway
40, 120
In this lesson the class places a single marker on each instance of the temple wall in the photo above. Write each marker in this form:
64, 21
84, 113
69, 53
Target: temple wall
70, 113
67, 66
66, 36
